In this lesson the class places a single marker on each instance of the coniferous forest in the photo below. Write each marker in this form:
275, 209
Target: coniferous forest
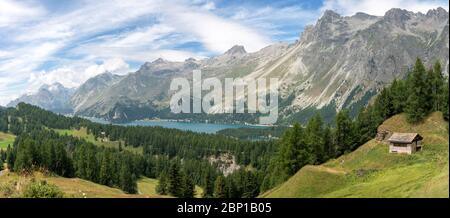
179, 159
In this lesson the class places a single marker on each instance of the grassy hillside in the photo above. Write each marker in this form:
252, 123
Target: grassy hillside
82, 133
6, 139
12, 185
370, 171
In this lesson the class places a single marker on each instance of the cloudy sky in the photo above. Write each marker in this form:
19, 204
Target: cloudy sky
47, 41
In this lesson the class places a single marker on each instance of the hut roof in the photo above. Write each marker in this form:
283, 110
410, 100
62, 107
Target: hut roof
404, 137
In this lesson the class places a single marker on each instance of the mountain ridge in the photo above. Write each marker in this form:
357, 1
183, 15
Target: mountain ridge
54, 97
335, 64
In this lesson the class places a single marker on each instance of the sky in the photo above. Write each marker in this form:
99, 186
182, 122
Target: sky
48, 41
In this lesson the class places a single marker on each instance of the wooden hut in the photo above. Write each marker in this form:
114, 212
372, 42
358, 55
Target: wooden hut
406, 143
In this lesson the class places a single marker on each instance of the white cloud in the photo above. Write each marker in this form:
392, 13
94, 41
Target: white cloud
379, 7
12, 12
20, 62
72, 77
276, 22
209, 6
216, 33
142, 37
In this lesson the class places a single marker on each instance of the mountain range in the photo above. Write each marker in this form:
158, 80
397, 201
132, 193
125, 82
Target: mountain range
340, 62
53, 97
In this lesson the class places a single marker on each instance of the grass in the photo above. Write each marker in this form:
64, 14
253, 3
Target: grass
147, 186
370, 171
12, 185
82, 133
6, 139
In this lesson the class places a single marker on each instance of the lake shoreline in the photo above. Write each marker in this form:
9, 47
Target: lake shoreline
184, 125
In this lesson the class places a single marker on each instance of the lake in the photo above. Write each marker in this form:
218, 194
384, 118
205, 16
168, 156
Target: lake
195, 127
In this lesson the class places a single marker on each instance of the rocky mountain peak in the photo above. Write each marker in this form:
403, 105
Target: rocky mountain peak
54, 97
330, 15
398, 15
236, 50
439, 12
55, 87
159, 61
190, 60
363, 16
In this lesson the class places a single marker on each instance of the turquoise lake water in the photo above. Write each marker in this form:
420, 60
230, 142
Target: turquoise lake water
195, 127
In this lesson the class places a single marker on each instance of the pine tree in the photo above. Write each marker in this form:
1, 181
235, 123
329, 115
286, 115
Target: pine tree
91, 164
105, 174
343, 132
294, 152
10, 157
437, 87
188, 187
25, 154
251, 189
384, 104
314, 139
80, 161
208, 185
328, 143
445, 96
366, 124
175, 183
49, 156
162, 187
398, 93
127, 178
418, 100
220, 188
429, 90
2, 155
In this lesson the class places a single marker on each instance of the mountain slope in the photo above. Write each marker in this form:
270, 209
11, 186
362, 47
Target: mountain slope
53, 97
340, 62
12, 184
86, 94
370, 171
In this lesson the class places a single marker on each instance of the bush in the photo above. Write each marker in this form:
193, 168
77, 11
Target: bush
41, 189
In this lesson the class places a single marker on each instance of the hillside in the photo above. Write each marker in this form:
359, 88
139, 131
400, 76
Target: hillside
82, 134
12, 185
370, 171
6, 139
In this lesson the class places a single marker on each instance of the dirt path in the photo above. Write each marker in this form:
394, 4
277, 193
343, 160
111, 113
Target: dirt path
331, 170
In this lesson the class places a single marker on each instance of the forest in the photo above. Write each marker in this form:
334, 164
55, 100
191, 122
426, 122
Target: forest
179, 159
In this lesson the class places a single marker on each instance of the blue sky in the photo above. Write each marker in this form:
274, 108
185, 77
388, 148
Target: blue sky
47, 41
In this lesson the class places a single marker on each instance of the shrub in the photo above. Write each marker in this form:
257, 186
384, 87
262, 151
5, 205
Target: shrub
41, 189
